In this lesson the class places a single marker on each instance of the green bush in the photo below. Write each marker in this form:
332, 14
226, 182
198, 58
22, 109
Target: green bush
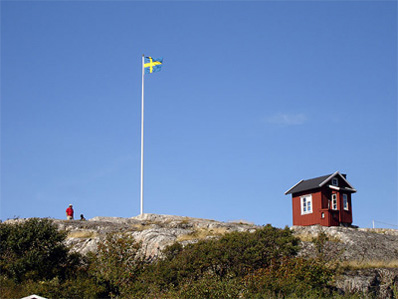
33, 249
291, 277
233, 255
208, 286
35, 260
117, 264
80, 286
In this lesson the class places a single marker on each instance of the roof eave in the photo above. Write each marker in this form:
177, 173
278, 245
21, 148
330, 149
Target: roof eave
288, 191
352, 190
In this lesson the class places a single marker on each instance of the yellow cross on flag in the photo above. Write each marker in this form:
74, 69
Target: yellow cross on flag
152, 65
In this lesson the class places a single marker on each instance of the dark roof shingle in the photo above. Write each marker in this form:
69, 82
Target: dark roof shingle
308, 184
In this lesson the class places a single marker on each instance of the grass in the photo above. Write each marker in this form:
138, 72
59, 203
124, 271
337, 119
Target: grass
201, 234
146, 224
305, 237
310, 237
382, 231
186, 220
82, 234
141, 227
360, 265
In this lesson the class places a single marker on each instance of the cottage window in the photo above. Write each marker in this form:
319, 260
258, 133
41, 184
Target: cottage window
345, 202
306, 204
334, 201
335, 182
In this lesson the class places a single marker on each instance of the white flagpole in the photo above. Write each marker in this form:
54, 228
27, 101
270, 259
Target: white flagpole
142, 141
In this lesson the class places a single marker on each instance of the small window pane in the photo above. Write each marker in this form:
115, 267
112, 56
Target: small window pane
334, 201
345, 202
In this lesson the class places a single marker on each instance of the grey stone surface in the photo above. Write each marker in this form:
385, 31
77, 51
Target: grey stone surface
361, 245
351, 244
153, 230
371, 256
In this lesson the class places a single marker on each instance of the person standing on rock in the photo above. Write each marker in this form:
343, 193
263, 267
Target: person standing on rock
69, 212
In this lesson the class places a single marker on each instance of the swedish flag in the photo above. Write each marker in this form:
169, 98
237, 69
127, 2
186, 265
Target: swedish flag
152, 65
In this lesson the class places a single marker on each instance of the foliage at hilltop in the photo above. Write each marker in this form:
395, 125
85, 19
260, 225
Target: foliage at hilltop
233, 255
34, 260
261, 264
32, 249
117, 264
244, 265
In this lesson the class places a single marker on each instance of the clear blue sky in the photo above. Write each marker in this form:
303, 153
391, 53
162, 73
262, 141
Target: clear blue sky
252, 97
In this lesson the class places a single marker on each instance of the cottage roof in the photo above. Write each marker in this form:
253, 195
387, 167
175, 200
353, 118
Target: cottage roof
318, 182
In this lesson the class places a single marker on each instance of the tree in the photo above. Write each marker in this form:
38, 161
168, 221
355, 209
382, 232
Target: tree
33, 249
297, 277
117, 263
233, 255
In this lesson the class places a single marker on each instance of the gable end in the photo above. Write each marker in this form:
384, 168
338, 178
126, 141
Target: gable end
337, 173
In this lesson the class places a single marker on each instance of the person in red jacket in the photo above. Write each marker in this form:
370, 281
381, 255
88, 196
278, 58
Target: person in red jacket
69, 212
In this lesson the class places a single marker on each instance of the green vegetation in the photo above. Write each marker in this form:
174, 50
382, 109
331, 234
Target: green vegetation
116, 264
262, 264
33, 250
34, 260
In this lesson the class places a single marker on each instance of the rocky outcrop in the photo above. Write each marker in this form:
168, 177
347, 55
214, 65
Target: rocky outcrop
373, 282
368, 257
154, 231
362, 245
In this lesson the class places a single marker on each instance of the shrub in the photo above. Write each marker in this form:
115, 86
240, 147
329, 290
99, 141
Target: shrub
34, 260
233, 255
79, 287
117, 263
33, 249
208, 286
293, 277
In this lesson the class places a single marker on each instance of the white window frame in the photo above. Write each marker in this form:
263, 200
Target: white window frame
334, 201
345, 202
335, 182
306, 204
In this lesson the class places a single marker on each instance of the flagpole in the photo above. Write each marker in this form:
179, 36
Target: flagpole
142, 142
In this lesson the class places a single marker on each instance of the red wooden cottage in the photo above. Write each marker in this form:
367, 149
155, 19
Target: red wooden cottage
324, 200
